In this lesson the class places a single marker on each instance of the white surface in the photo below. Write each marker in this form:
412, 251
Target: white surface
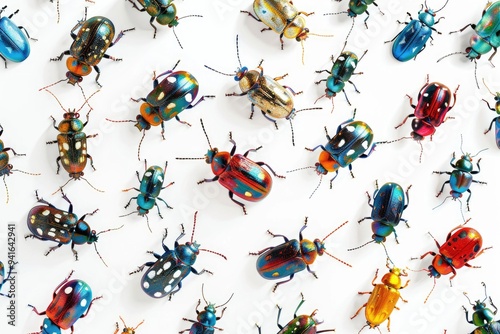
221, 225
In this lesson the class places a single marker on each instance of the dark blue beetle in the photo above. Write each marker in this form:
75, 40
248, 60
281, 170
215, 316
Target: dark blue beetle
461, 177
4, 279
206, 319
413, 38
387, 208
14, 45
165, 275
151, 185
483, 317
495, 120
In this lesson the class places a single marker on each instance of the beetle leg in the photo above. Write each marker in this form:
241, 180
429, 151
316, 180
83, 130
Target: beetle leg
4, 60
11, 149
130, 200
320, 81
467, 315
75, 253
35, 310
282, 282
442, 187
281, 37
272, 171
252, 110
27, 34
321, 71
90, 305
239, 203
311, 271
333, 178
314, 149
53, 249
364, 305
491, 302
260, 252
91, 161
270, 119
355, 88
161, 199
278, 318
428, 253
389, 321
178, 120
59, 58
406, 222
120, 35
135, 6
251, 15
406, 118
367, 17
208, 180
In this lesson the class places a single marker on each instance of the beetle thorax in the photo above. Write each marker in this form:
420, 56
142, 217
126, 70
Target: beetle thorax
49, 327
392, 279
219, 162
207, 317
76, 70
187, 253
247, 79
326, 164
71, 123
465, 163
427, 17
479, 306
309, 250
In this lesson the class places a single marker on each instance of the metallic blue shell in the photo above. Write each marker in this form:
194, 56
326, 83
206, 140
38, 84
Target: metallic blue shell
460, 182
152, 181
350, 142
388, 204
411, 40
93, 39
14, 44
281, 261
198, 328
497, 131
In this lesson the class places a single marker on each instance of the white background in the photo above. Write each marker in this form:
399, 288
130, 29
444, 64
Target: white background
221, 225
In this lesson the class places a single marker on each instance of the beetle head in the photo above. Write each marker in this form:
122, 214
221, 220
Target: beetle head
247, 80
427, 17
326, 163
49, 327
76, 70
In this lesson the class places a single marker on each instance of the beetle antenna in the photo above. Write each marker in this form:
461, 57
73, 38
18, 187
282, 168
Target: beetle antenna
225, 302
6, 190
466, 296
329, 234
451, 54
111, 229
322, 96
349, 33
87, 99
484, 82
320, 35
194, 226
421, 151
336, 258
84, 179
203, 294
128, 214
303, 50
183, 17
387, 254
343, 12
294, 170
485, 293
189, 158
319, 183
461, 143
475, 73
227, 74
55, 97
442, 202
363, 245
433, 286
205, 132
216, 253
238, 51
363, 328
177, 38
121, 121
439, 8
392, 141
316, 108
139, 147
95, 247
55, 83
24, 172
293, 135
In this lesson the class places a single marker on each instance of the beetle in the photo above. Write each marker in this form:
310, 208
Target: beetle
495, 120
300, 324
89, 46
71, 301
434, 103
351, 140
483, 317
163, 11
126, 330
291, 257
342, 69
206, 319
48, 223
237, 173
72, 142
358, 7
462, 245
14, 44
165, 275
149, 190
175, 93
388, 206
383, 298
273, 99
4, 279
5, 167
461, 177
413, 38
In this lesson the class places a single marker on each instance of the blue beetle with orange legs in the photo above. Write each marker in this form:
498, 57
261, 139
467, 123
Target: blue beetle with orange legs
413, 38
291, 257
461, 177
165, 275
495, 120
483, 317
14, 45
237, 173
126, 329
71, 301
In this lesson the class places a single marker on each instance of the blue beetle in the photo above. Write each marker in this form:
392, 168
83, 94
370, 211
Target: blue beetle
388, 205
495, 120
352, 139
413, 38
89, 46
300, 324
206, 319
358, 7
46, 222
291, 257
342, 69
483, 317
14, 45
150, 187
461, 177
165, 275
71, 301
4, 278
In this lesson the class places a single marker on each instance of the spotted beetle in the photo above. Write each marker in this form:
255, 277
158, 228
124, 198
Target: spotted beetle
89, 46
291, 257
150, 187
164, 276
71, 301
483, 317
48, 223
126, 330
14, 45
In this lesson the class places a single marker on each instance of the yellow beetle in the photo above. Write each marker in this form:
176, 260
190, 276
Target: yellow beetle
383, 298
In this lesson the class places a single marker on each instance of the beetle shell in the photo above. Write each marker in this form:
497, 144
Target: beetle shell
5, 167
460, 181
357, 7
93, 39
49, 223
388, 204
411, 40
271, 97
282, 17
486, 32
351, 142
152, 181
69, 304
14, 44
433, 103
281, 261
168, 272
342, 70
245, 178
302, 324
73, 152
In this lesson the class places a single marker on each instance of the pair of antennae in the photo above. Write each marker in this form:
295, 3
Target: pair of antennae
203, 295
485, 294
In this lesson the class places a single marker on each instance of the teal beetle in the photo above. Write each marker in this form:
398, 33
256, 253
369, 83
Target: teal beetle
495, 120
14, 45
483, 317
